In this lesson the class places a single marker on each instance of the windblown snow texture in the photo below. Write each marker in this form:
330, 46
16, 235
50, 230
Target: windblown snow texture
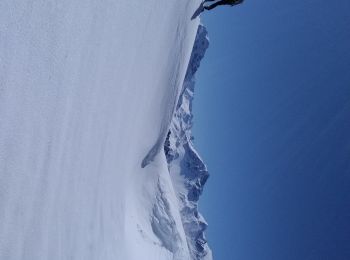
187, 170
88, 90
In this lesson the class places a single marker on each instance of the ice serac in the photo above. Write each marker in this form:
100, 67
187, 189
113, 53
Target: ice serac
88, 90
186, 168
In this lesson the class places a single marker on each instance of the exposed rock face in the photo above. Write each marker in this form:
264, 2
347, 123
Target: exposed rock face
186, 168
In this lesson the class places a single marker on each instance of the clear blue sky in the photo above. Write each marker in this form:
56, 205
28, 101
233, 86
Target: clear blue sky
272, 122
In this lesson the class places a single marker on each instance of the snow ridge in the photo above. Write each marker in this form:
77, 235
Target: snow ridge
187, 170
164, 225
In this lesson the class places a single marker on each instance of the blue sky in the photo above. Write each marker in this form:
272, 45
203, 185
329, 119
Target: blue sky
272, 122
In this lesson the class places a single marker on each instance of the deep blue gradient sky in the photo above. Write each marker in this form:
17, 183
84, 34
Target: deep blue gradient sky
272, 122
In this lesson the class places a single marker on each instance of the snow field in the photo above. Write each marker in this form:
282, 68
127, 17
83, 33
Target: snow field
87, 92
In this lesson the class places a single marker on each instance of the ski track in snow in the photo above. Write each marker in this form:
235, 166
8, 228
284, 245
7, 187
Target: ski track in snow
87, 94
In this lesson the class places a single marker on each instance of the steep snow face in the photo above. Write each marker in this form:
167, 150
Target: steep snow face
87, 94
187, 170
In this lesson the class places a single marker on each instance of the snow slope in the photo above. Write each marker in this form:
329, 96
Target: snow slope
87, 94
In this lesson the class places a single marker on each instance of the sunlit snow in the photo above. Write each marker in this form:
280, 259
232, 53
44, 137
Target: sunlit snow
87, 94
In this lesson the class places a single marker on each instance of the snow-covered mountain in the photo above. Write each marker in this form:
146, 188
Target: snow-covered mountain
187, 170
88, 93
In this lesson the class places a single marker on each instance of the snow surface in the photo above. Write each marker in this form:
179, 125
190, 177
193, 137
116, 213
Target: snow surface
87, 94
